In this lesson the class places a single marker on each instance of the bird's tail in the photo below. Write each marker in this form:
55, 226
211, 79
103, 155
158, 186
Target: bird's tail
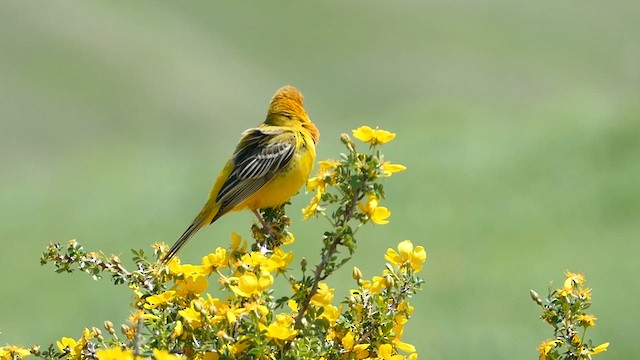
206, 216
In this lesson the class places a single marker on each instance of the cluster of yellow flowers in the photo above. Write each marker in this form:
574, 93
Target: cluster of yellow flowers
564, 310
234, 323
174, 317
329, 171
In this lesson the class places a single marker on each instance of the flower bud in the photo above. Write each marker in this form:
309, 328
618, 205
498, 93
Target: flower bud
389, 281
356, 274
35, 349
125, 329
535, 297
108, 325
345, 139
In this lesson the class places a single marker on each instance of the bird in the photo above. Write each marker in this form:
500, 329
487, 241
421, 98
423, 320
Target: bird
269, 165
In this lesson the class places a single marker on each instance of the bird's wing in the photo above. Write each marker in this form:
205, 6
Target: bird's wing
262, 152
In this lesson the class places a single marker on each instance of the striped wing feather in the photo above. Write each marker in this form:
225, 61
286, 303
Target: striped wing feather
257, 159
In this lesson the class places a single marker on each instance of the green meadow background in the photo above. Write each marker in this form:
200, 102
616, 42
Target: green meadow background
519, 123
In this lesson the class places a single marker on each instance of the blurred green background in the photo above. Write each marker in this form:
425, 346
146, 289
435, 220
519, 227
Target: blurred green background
519, 123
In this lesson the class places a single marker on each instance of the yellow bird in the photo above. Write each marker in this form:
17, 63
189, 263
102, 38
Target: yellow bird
270, 164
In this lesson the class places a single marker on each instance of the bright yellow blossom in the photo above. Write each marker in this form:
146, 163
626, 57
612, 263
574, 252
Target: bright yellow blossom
373, 136
311, 209
238, 243
546, 347
324, 177
389, 168
573, 279
192, 285
282, 329
360, 350
191, 316
324, 295
209, 355
154, 301
585, 294
293, 305
215, 260
386, 352
10, 352
225, 310
377, 214
331, 313
250, 284
165, 355
253, 259
587, 320
600, 348
115, 353
279, 260
406, 347
565, 291
70, 346
177, 330
374, 286
187, 270
407, 255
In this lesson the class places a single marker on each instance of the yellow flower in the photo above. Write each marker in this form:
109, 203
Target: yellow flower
70, 346
209, 355
253, 307
164, 355
324, 295
389, 168
250, 284
324, 177
565, 291
406, 347
237, 243
573, 279
407, 255
154, 301
386, 352
600, 348
312, 208
191, 316
177, 330
282, 329
377, 214
215, 260
585, 294
254, 259
192, 285
360, 350
187, 270
587, 320
240, 346
331, 313
293, 305
288, 238
279, 260
348, 341
10, 352
225, 310
546, 347
114, 354
374, 286
373, 136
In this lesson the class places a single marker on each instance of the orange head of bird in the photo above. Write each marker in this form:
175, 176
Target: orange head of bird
286, 106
